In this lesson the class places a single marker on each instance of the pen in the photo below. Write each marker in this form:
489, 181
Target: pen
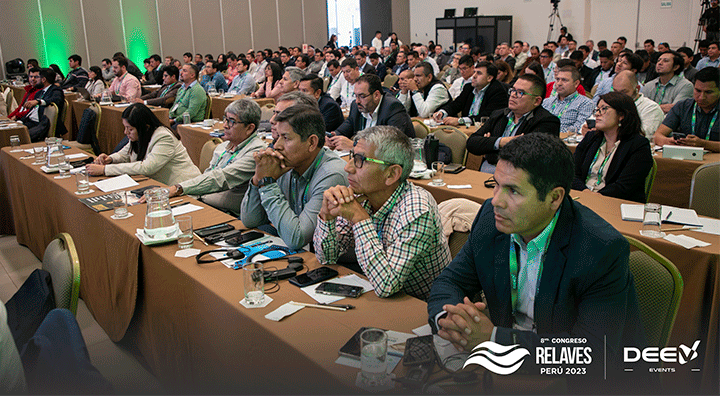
175, 206
319, 306
681, 229
668, 216
174, 202
200, 239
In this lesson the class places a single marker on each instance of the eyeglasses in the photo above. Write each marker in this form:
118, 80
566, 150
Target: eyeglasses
601, 110
519, 93
231, 123
363, 96
491, 183
359, 160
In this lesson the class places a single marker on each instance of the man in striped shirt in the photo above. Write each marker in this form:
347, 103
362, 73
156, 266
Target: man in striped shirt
391, 225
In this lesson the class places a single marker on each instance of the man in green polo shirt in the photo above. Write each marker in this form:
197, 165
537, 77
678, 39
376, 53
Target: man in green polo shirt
190, 98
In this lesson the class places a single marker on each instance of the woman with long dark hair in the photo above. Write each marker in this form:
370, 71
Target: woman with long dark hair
153, 150
273, 74
614, 159
95, 85
332, 43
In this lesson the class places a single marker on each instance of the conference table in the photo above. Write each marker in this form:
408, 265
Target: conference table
184, 319
672, 180
194, 136
699, 315
111, 126
7, 129
218, 105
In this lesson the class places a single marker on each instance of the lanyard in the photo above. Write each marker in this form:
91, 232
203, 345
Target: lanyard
237, 150
662, 94
514, 266
566, 106
307, 186
712, 122
167, 89
391, 206
475, 110
240, 81
602, 165
512, 126
117, 89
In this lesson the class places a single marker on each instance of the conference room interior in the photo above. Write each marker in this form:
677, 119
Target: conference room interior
124, 335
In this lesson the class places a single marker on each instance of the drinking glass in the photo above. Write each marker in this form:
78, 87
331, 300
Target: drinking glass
185, 239
373, 357
120, 210
651, 221
15, 144
254, 283
82, 182
39, 152
64, 168
438, 168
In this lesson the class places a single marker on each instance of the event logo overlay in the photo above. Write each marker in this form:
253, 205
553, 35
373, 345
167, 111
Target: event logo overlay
499, 359
682, 354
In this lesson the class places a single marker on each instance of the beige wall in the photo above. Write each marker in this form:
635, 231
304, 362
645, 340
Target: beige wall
94, 28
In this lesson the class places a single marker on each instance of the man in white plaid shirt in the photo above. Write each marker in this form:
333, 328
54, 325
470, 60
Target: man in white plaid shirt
392, 225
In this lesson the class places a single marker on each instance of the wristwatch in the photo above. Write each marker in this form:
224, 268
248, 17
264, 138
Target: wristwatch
179, 189
265, 181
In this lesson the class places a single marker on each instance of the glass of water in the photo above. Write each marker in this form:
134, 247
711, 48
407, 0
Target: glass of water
40, 153
438, 169
82, 182
185, 239
63, 167
373, 357
120, 210
254, 283
651, 221
15, 144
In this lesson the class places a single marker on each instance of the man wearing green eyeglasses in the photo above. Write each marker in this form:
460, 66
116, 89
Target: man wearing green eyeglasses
524, 114
391, 225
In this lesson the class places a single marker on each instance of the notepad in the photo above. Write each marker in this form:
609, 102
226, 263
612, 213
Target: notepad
668, 214
116, 183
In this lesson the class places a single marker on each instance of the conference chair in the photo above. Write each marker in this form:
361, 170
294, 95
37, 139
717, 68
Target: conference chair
266, 112
62, 262
649, 180
208, 106
659, 288
9, 98
704, 190
390, 80
51, 112
326, 82
92, 148
421, 130
263, 101
455, 139
206, 153
64, 114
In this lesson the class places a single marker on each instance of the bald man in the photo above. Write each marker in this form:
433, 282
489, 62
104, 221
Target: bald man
650, 112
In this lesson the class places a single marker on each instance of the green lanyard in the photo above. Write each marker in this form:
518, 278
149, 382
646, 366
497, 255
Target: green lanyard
237, 150
512, 126
662, 94
566, 106
167, 89
602, 165
117, 90
712, 122
474, 111
391, 206
514, 266
307, 186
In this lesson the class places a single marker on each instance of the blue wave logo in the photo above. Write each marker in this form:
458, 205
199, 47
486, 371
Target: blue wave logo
499, 359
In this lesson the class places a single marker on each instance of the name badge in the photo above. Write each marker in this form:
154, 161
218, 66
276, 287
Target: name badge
175, 107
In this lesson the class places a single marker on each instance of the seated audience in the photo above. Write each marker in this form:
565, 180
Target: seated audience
712, 59
625, 61
695, 117
424, 93
191, 97
505, 73
47, 93
165, 95
392, 225
331, 112
670, 87
243, 83
125, 85
371, 107
523, 115
379, 67
153, 150
77, 77
211, 77
344, 89
225, 181
614, 158
602, 72
95, 85
479, 99
586, 290
546, 61
107, 70
465, 69
30, 91
651, 115
270, 88
568, 105
688, 70
290, 178
290, 79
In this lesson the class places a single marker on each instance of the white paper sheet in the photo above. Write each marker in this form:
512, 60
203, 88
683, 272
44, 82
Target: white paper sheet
185, 253
116, 183
459, 186
179, 210
709, 226
685, 241
284, 311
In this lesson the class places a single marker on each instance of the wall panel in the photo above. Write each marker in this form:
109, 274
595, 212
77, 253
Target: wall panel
291, 23
141, 29
206, 26
316, 22
62, 19
265, 23
236, 15
175, 30
375, 15
17, 17
104, 30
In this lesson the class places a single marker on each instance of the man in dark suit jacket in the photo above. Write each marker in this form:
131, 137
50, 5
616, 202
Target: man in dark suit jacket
484, 89
363, 65
165, 95
330, 109
38, 125
371, 107
380, 68
524, 114
570, 279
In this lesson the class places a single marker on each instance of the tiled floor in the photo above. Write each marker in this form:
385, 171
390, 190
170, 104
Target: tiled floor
117, 364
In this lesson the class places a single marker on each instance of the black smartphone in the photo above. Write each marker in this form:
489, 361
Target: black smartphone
678, 135
454, 168
337, 289
312, 277
419, 350
140, 191
212, 230
244, 238
590, 123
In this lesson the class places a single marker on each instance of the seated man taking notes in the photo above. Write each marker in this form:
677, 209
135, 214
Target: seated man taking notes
548, 266
290, 179
225, 181
392, 225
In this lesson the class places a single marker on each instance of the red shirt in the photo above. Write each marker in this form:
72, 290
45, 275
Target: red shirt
20, 112
550, 86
